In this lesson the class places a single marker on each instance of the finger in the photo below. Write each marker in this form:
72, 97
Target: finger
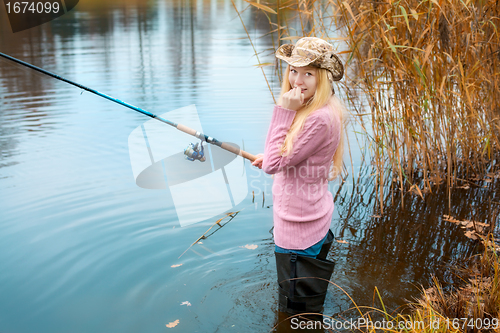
298, 95
257, 161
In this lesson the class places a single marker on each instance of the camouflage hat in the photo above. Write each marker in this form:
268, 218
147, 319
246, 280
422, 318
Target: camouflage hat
315, 52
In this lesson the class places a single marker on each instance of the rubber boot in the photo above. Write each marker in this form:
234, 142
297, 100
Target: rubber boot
286, 323
307, 293
326, 246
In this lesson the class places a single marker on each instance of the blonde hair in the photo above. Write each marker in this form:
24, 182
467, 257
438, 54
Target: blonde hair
323, 95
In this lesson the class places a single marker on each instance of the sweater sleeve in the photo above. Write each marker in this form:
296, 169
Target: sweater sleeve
305, 144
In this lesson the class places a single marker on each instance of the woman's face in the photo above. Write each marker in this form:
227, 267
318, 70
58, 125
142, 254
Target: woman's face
305, 78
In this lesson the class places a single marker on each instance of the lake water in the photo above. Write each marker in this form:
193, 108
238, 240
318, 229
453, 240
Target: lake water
84, 249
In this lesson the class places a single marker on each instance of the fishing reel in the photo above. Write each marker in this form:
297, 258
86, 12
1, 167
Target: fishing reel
195, 152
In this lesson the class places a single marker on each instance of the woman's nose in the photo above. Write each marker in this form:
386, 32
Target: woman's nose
298, 79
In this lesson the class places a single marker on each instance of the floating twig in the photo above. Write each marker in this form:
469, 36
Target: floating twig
232, 215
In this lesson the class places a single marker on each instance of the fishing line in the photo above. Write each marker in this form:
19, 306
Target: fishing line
193, 152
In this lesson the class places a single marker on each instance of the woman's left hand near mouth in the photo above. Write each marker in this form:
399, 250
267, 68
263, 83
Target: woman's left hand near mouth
293, 99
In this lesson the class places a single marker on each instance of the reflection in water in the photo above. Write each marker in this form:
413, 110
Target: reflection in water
78, 236
409, 244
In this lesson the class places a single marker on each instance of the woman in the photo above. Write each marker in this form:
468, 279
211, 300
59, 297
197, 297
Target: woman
304, 150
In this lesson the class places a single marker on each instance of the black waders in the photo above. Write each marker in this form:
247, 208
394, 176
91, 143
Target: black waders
300, 290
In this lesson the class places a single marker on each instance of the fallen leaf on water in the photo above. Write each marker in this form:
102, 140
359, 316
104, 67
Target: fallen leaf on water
251, 247
376, 216
186, 303
200, 242
173, 324
471, 235
451, 219
341, 241
173, 266
468, 224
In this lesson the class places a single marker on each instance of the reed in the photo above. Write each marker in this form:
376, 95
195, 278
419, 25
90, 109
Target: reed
423, 80
430, 71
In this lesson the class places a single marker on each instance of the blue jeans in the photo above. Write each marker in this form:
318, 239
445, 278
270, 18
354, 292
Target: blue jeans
311, 251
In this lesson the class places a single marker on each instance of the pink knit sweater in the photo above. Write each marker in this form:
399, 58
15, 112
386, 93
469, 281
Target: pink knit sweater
302, 204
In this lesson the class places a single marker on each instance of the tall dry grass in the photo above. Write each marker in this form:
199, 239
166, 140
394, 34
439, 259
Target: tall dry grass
431, 71
424, 76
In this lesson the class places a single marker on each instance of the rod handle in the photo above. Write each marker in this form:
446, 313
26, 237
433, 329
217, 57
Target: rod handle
238, 151
186, 129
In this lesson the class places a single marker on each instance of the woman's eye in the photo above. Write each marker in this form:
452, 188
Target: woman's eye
293, 71
309, 74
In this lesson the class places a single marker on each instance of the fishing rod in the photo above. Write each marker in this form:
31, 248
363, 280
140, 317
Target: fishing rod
192, 152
